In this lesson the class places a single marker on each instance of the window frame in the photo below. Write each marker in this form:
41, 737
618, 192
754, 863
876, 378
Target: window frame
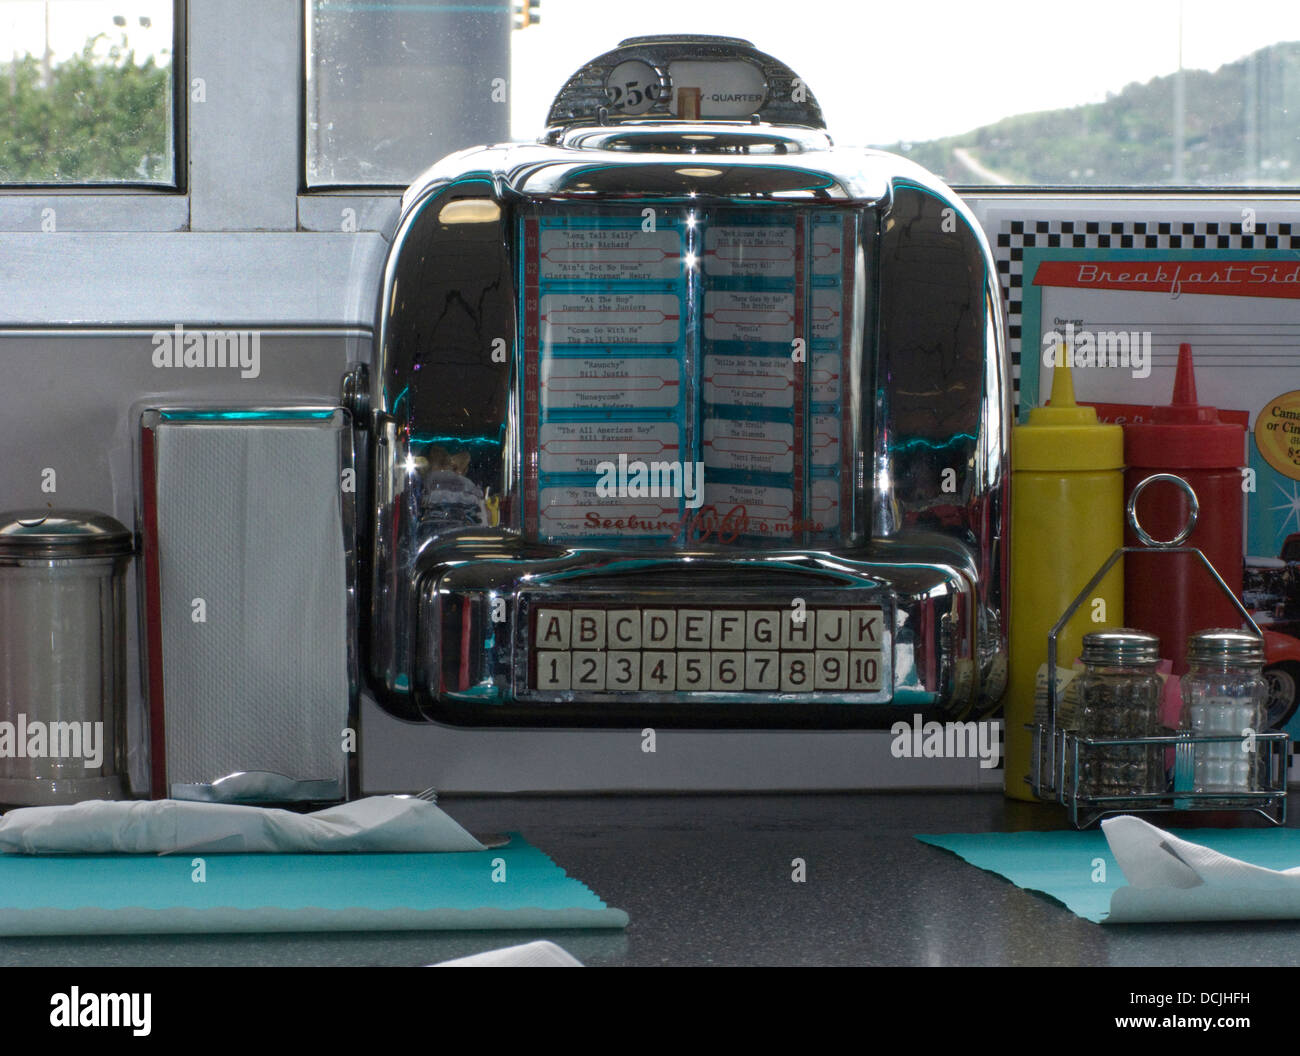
241, 187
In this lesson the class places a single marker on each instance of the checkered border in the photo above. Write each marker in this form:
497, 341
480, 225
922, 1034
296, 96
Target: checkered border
1015, 236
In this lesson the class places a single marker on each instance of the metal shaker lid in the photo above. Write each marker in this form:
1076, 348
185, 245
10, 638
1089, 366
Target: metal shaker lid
1120, 647
39, 533
1225, 645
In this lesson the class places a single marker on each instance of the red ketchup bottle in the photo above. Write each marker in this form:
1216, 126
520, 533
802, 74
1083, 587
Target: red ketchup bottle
1172, 595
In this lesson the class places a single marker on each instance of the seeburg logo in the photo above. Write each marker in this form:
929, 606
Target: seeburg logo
76, 1009
651, 480
234, 349
1127, 349
945, 740
53, 740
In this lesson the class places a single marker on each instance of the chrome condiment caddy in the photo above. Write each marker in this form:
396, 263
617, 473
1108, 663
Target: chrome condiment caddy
1057, 752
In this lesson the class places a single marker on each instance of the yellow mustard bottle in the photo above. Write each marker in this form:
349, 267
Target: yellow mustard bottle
1067, 517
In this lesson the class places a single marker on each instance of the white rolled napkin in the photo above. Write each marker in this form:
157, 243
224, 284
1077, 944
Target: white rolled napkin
376, 825
541, 954
1174, 879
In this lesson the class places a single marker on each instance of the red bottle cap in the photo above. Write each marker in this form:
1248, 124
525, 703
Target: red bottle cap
1184, 434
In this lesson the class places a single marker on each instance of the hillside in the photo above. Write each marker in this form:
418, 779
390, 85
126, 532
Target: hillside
1241, 128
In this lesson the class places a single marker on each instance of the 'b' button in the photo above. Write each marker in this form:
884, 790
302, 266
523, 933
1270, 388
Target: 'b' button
588, 629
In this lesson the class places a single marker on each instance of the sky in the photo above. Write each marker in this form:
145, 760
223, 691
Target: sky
22, 25
885, 72
882, 71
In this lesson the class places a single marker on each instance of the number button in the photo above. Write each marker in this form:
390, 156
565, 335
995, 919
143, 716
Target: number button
658, 672
728, 670
832, 669
692, 671
796, 672
762, 670
588, 671
623, 671
553, 671
864, 671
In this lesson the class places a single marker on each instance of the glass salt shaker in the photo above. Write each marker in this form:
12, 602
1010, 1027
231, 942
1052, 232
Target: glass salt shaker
1118, 698
1224, 695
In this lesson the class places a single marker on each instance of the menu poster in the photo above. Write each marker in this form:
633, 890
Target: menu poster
1124, 312
1240, 312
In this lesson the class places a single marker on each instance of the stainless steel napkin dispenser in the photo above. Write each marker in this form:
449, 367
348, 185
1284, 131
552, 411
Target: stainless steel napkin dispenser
681, 416
248, 607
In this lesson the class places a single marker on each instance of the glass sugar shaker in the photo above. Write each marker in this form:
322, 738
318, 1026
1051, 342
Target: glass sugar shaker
1224, 695
1118, 698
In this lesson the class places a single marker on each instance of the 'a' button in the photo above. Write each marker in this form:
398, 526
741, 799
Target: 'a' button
553, 628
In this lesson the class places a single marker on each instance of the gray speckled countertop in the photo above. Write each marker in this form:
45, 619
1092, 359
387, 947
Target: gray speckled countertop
706, 880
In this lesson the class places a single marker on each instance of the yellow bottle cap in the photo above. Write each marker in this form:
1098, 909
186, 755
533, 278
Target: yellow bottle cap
1064, 436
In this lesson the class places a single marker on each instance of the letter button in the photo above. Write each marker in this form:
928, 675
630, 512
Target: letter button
659, 628
553, 629
832, 629
693, 628
728, 629
798, 635
624, 628
762, 630
867, 629
588, 628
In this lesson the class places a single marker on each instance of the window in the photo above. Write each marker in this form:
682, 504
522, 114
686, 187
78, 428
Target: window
1163, 93
392, 87
87, 93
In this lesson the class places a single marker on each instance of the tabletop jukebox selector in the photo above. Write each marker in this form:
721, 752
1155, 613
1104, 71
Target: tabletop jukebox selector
681, 416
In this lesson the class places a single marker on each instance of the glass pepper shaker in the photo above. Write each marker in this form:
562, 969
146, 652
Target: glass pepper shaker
1118, 698
1224, 695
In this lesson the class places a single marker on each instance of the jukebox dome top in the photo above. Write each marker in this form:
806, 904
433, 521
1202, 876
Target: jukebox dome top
688, 78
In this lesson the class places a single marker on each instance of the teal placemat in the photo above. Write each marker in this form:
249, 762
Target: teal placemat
1063, 864
516, 886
